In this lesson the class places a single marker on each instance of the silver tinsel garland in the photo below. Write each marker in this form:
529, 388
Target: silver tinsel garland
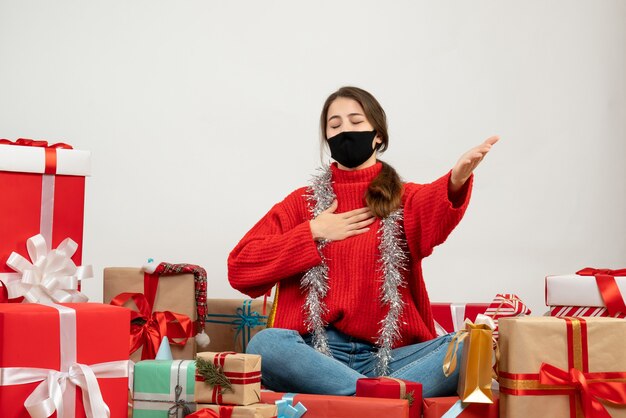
392, 260
320, 196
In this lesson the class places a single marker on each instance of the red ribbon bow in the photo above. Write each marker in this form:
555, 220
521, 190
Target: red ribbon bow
605, 279
157, 325
591, 390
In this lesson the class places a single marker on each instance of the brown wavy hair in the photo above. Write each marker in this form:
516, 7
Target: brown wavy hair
384, 194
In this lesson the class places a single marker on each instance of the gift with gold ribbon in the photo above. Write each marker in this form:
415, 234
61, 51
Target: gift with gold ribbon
477, 360
148, 328
228, 378
562, 367
257, 410
43, 191
589, 287
78, 346
390, 387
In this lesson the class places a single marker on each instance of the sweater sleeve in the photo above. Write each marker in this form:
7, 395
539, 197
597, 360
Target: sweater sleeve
280, 245
431, 213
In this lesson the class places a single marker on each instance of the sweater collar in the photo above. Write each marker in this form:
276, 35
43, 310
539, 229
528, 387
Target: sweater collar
365, 175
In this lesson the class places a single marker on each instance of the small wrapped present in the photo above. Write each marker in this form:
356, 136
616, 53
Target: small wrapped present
505, 305
232, 322
390, 387
174, 296
451, 407
589, 287
43, 186
561, 311
164, 388
257, 410
323, 406
476, 369
228, 378
450, 317
48, 352
562, 367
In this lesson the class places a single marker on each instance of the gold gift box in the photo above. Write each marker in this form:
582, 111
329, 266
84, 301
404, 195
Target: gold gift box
224, 319
257, 410
175, 293
243, 371
590, 345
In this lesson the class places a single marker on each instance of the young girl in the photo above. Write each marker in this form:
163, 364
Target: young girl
345, 255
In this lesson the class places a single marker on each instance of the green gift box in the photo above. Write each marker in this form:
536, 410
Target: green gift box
164, 388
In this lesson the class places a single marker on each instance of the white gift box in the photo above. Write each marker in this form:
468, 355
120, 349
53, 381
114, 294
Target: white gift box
576, 290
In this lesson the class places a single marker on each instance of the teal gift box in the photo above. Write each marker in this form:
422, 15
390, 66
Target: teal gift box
164, 388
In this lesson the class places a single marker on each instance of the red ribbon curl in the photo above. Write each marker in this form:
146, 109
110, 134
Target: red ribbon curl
156, 326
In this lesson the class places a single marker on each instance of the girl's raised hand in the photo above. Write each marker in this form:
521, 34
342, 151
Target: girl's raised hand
468, 162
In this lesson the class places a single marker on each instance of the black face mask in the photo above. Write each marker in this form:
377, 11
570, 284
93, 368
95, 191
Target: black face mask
351, 149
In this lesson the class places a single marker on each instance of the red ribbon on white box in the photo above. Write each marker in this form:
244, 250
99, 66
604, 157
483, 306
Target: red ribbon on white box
57, 390
50, 276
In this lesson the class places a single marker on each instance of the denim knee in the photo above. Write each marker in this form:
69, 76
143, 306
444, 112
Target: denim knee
271, 340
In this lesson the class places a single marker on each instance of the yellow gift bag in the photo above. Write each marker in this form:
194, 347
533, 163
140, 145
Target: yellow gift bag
477, 357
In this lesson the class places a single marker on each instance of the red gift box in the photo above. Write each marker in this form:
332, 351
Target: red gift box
388, 387
451, 316
40, 345
438, 407
328, 406
44, 190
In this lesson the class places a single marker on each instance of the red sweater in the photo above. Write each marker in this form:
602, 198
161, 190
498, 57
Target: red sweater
280, 248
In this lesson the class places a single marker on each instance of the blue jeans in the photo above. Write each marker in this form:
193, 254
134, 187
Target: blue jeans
290, 363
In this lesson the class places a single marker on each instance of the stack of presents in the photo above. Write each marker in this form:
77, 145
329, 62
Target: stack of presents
157, 347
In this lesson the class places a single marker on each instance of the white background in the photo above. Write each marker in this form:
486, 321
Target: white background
200, 115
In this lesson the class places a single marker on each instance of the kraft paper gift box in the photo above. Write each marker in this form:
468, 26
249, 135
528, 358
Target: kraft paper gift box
155, 392
231, 323
43, 187
562, 367
76, 339
228, 378
329, 406
174, 293
452, 405
450, 317
389, 387
257, 410
576, 294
